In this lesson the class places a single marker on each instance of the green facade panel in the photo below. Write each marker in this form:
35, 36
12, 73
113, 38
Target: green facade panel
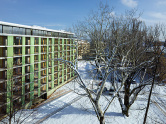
59, 61
31, 68
73, 53
52, 79
63, 59
76, 53
9, 98
23, 70
39, 67
66, 57
47, 58
71, 56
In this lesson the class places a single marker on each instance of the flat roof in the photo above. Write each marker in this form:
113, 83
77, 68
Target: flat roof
32, 27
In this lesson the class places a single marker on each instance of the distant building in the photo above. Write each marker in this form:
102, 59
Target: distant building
83, 49
28, 65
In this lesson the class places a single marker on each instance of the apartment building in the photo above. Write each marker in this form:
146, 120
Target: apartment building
83, 49
28, 63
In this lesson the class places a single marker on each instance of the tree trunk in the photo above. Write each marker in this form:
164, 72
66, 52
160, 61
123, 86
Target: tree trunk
149, 98
125, 111
126, 98
102, 121
10, 120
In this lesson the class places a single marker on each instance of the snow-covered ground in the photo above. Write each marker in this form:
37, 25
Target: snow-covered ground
81, 111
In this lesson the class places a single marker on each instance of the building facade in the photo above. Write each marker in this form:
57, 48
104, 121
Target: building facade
29, 66
83, 49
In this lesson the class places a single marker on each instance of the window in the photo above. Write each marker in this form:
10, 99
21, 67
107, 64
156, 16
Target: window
62, 35
7, 29
44, 32
16, 30
55, 34
40, 33
70, 36
28, 31
33, 32
49, 33
37, 32
22, 31
17, 41
0, 28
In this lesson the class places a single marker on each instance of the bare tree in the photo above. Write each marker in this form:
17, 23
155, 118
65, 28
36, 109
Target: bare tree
157, 72
123, 46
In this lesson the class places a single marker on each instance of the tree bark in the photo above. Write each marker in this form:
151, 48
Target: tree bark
126, 98
149, 98
102, 121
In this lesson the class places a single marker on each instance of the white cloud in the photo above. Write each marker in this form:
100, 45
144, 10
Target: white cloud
152, 22
158, 15
161, 2
130, 3
112, 13
154, 18
149, 21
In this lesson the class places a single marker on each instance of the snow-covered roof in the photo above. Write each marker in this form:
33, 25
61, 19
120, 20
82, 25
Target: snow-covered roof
33, 27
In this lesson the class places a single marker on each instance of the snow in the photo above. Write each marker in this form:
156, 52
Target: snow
81, 111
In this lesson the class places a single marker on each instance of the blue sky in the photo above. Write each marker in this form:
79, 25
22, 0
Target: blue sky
61, 14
